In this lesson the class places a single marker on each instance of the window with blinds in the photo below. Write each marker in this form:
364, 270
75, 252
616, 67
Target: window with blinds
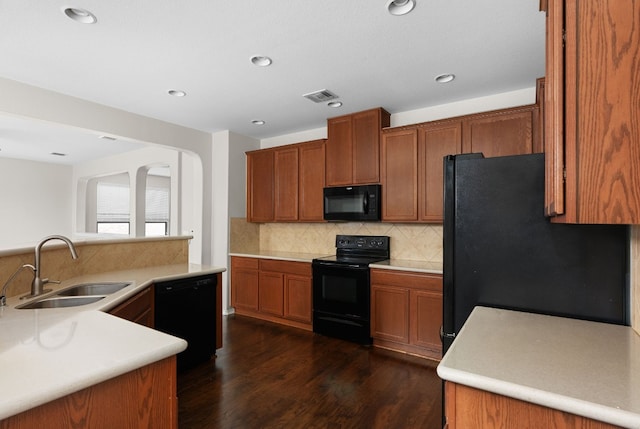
112, 211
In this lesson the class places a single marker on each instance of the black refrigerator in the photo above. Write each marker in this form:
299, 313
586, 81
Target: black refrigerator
501, 251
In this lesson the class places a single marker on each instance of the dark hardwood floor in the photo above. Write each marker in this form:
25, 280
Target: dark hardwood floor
272, 376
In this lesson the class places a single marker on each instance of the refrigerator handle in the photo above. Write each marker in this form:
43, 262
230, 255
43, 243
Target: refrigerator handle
448, 335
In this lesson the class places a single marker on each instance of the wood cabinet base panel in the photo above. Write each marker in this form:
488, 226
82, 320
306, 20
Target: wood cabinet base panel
274, 319
421, 352
143, 398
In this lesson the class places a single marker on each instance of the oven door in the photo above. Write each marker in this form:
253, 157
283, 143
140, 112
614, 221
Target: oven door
341, 289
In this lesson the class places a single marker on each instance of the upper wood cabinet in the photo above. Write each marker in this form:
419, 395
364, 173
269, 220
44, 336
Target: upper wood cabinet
353, 147
436, 140
592, 113
284, 184
503, 132
260, 186
411, 161
311, 180
286, 175
399, 175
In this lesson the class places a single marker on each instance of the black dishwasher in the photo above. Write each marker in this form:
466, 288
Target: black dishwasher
186, 308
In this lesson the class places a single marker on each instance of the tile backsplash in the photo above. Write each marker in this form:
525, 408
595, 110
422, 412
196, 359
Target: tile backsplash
419, 242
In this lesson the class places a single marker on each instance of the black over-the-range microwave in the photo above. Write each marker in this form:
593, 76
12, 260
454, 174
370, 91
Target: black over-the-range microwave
352, 203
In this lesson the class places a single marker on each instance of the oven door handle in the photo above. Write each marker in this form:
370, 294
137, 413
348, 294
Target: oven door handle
339, 265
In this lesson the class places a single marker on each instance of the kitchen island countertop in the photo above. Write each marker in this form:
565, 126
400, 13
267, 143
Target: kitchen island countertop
585, 368
49, 353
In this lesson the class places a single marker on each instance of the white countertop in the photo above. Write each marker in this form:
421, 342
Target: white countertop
49, 353
391, 264
585, 368
282, 256
407, 265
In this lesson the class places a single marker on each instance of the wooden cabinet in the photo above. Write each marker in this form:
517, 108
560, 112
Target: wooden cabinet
399, 175
406, 312
411, 158
353, 147
298, 298
436, 140
271, 293
592, 128
466, 407
244, 284
143, 398
139, 308
260, 186
412, 170
274, 290
311, 181
503, 132
284, 184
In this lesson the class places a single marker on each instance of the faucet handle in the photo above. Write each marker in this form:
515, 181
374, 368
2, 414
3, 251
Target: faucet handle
45, 281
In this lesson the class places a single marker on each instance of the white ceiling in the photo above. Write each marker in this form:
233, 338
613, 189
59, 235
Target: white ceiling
138, 50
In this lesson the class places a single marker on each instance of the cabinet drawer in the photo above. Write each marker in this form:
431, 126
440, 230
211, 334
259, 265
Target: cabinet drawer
432, 282
299, 268
240, 262
138, 308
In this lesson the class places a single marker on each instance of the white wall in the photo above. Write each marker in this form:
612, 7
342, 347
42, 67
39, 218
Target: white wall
35, 201
43, 105
229, 195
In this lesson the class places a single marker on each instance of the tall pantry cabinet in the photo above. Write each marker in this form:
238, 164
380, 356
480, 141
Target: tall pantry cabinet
592, 111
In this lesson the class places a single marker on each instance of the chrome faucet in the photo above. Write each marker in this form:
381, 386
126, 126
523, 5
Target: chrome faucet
3, 298
38, 283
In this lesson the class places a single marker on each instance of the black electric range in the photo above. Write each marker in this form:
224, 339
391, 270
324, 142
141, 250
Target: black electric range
341, 287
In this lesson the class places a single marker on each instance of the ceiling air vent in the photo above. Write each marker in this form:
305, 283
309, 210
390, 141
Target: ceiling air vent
321, 96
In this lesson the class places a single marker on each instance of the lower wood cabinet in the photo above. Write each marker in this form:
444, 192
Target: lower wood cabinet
139, 308
274, 290
143, 398
466, 407
406, 312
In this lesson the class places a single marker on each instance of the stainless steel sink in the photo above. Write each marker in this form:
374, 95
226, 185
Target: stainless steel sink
61, 302
85, 289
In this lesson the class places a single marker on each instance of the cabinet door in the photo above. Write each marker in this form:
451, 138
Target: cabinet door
311, 181
390, 313
435, 142
502, 133
554, 110
286, 184
399, 175
426, 319
297, 298
138, 309
366, 146
339, 165
601, 111
271, 293
260, 171
244, 283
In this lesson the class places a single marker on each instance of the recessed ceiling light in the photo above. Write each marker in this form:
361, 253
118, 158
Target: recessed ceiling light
258, 122
334, 104
400, 7
445, 78
261, 60
80, 15
176, 93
